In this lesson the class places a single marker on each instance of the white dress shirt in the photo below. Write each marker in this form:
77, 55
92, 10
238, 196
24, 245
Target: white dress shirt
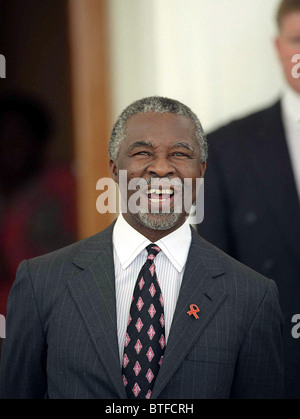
130, 254
291, 123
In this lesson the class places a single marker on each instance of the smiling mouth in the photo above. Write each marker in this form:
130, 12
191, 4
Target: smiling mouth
160, 195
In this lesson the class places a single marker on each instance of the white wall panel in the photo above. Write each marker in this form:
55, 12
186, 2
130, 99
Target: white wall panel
216, 56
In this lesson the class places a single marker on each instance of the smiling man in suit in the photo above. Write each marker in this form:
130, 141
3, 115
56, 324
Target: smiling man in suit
145, 308
252, 192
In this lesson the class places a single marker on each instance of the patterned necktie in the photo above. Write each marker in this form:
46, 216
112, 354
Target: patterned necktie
145, 337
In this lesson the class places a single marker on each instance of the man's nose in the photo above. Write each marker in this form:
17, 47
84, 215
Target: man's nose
160, 167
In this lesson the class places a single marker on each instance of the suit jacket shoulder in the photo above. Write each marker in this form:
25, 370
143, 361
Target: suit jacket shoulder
49, 274
253, 126
86, 248
237, 276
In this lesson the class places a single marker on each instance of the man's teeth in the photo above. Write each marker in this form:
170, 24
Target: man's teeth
159, 192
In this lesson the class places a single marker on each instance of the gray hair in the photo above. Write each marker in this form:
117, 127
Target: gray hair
154, 104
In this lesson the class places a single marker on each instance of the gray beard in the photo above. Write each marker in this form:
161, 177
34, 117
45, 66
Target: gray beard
157, 223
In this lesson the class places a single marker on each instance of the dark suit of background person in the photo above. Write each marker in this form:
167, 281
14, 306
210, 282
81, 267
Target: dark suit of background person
252, 209
62, 327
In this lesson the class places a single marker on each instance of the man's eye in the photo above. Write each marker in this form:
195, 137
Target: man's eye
295, 40
179, 154
142, 153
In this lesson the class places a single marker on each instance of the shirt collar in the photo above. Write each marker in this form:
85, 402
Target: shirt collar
291, 104
129, 243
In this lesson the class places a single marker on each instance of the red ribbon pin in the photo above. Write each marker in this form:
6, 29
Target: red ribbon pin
193, 310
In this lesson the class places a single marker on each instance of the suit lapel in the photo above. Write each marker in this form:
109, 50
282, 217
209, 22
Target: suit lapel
93, 290
272, 165
201, 287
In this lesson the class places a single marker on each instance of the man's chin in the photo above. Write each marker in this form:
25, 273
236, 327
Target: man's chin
159, 221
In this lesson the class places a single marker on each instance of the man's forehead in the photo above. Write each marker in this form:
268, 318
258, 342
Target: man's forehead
156, 121
151, 144
291, 21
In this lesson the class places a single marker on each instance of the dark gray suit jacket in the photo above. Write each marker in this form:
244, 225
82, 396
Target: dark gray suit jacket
62, 329
252, 212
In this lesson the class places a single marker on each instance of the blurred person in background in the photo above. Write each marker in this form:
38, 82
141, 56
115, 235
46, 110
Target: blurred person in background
37, 199
252, 190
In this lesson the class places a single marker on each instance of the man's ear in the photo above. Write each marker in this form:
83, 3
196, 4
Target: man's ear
114, 171
202, 169
277, 46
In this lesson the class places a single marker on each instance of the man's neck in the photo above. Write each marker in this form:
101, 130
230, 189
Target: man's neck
291, 103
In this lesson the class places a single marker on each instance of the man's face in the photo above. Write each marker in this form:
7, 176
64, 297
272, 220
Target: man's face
288, 45
159, 147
